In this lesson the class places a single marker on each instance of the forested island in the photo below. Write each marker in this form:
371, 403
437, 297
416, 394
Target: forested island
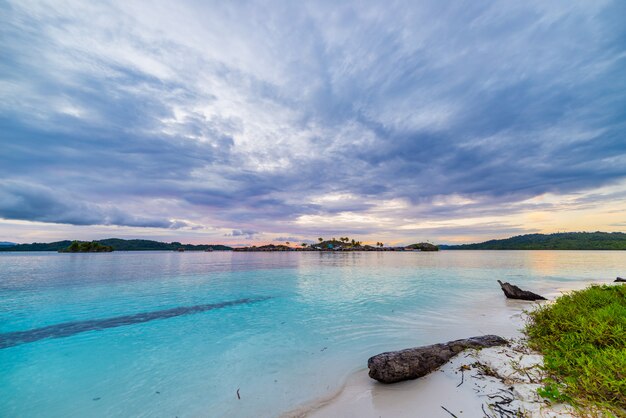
87, 247
118, 244
557, 241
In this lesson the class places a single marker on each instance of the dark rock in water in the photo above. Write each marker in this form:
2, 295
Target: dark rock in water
514, 292
620, 280
396, 366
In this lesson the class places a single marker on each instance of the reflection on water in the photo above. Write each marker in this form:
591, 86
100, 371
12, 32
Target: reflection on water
326, 314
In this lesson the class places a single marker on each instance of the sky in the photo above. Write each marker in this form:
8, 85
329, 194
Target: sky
257, 122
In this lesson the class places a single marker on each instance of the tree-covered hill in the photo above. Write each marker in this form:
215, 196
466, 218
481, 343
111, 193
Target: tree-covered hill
118, 245
558, 241
39, 246
148, 245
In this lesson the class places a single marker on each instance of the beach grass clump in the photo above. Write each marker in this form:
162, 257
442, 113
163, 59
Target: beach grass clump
582, 336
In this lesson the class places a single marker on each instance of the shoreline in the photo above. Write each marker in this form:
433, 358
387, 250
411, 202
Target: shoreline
483, 382
458, 388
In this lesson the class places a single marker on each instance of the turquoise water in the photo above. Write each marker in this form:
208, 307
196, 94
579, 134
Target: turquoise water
164, 334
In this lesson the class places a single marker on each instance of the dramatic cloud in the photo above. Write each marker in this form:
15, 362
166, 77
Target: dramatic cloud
266, 120
31, 202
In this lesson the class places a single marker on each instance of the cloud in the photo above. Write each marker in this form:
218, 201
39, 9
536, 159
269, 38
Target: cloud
260, 118
248, 234
25, 201
178, 224
294, 240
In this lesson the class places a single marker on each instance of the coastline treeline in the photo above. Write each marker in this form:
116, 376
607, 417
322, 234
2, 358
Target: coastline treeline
118, 244
557, 241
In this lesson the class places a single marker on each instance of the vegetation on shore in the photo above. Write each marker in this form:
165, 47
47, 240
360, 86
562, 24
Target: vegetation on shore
118, 245
558, 241
582, 337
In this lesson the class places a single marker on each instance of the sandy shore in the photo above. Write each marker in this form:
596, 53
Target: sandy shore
493, 382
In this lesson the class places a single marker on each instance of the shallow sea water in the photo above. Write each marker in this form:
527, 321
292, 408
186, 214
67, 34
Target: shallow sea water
165, 334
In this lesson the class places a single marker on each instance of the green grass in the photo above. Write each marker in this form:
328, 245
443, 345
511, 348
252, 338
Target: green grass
582, 336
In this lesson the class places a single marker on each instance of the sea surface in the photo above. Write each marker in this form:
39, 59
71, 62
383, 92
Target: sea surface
224, 334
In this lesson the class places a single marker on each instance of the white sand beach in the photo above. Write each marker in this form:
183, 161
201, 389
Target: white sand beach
493, 382
464, 386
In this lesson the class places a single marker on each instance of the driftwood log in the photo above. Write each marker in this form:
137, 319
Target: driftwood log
395, 366
619, 280
514, 292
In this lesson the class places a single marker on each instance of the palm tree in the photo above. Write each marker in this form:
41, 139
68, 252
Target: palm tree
353, 242
320, 239
287, 242
303, 244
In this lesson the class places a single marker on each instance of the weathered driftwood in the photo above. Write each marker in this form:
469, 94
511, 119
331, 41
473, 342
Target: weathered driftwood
514, 292
619, 280
395, 366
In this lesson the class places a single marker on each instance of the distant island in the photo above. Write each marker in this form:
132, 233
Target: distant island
117, 244
341, 244
87, 247
558, 241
